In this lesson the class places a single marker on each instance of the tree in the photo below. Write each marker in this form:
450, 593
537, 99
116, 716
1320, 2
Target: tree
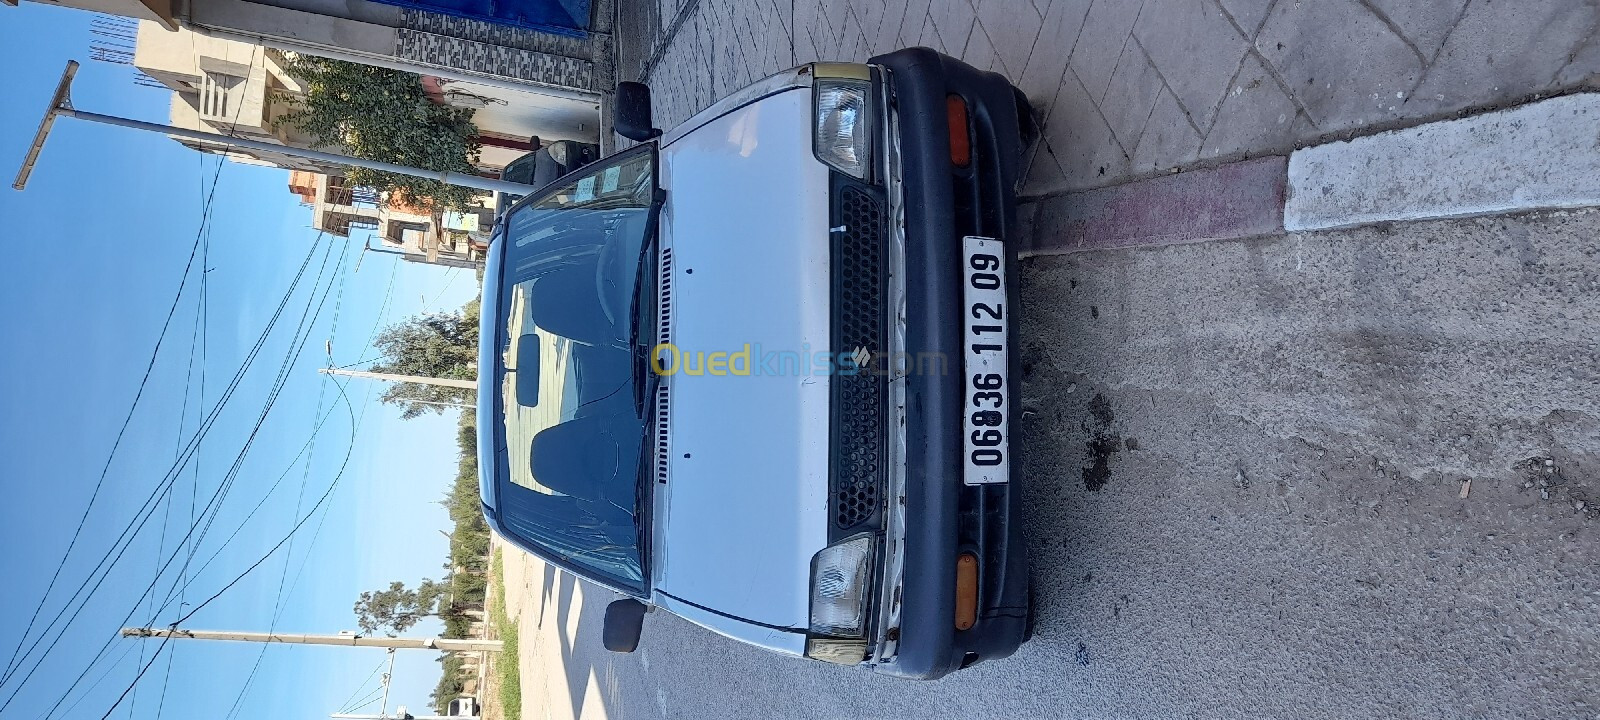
382, 114
398, 608
442, 345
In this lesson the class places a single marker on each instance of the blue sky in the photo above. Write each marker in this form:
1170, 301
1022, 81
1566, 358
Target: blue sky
96, 248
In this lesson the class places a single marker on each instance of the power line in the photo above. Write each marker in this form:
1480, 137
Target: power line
366, 361
298, 524
296, 528
346, 705
200, 334
280, 381
189, 451
453, 273
98, 680
241, 576
166, 513
137, 524
301, 335
383, 307
305, 476
365, 701
205, 217
11, 664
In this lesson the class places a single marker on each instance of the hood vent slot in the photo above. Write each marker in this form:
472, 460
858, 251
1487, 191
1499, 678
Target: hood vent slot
664, 303
663, 403
663, 433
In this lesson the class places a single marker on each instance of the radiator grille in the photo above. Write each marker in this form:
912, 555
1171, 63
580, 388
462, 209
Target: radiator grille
858, 461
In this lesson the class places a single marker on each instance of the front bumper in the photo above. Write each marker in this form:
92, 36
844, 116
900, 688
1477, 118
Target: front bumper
943, 518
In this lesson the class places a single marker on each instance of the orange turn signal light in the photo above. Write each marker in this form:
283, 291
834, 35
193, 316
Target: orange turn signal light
960, 136
966, 591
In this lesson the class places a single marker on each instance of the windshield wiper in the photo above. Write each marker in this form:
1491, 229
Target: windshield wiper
644, 498
644, 378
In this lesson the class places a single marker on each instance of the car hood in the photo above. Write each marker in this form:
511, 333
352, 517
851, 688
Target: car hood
744, 236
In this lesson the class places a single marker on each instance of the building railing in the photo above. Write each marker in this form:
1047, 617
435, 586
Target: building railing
338, 193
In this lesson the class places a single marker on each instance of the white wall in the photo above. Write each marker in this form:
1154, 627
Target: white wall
524, 114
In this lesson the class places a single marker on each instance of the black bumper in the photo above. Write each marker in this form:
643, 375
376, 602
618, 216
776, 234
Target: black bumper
944, 517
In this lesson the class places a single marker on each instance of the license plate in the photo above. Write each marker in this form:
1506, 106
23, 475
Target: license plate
985, 352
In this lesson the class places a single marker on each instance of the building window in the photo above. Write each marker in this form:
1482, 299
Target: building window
221, 94
337, 193
407, 234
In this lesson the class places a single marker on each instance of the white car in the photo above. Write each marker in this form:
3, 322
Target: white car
759, 371
464, 706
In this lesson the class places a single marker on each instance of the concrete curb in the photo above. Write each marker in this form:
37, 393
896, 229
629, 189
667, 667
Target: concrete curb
1541, 155
1236, 200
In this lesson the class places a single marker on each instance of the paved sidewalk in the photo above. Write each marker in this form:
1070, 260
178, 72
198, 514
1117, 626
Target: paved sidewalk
566, 672
1133, 88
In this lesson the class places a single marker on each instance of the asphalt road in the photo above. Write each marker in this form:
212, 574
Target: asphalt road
1245, 490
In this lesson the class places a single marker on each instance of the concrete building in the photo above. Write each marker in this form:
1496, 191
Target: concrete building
238, 88
416, 233
225, 87
561, 49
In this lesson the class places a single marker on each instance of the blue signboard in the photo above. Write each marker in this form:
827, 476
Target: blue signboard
562, 17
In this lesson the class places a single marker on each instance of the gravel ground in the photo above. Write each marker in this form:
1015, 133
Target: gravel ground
1339, 474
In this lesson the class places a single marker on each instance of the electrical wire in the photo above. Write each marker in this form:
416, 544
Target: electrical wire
302, 334
13, 663
288, 556
241, 576
103, 675
166, 513
452, 274
199, 337
365, 701
252, 568
347, 704
127, 420
366, 361
205, 217
189, 450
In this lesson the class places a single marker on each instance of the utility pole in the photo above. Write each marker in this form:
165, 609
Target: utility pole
351, 716
61, 104
467, 406
391, 377
342, 639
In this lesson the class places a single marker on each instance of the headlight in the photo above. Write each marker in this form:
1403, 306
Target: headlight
841, 576
558, 153
843, 135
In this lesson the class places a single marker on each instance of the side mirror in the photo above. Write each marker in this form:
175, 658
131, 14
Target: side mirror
633, 119
528, 370
624, 622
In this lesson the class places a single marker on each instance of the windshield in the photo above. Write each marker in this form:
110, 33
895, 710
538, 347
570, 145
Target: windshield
569, 436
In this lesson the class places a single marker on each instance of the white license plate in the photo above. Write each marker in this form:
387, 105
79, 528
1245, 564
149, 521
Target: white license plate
985, 351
